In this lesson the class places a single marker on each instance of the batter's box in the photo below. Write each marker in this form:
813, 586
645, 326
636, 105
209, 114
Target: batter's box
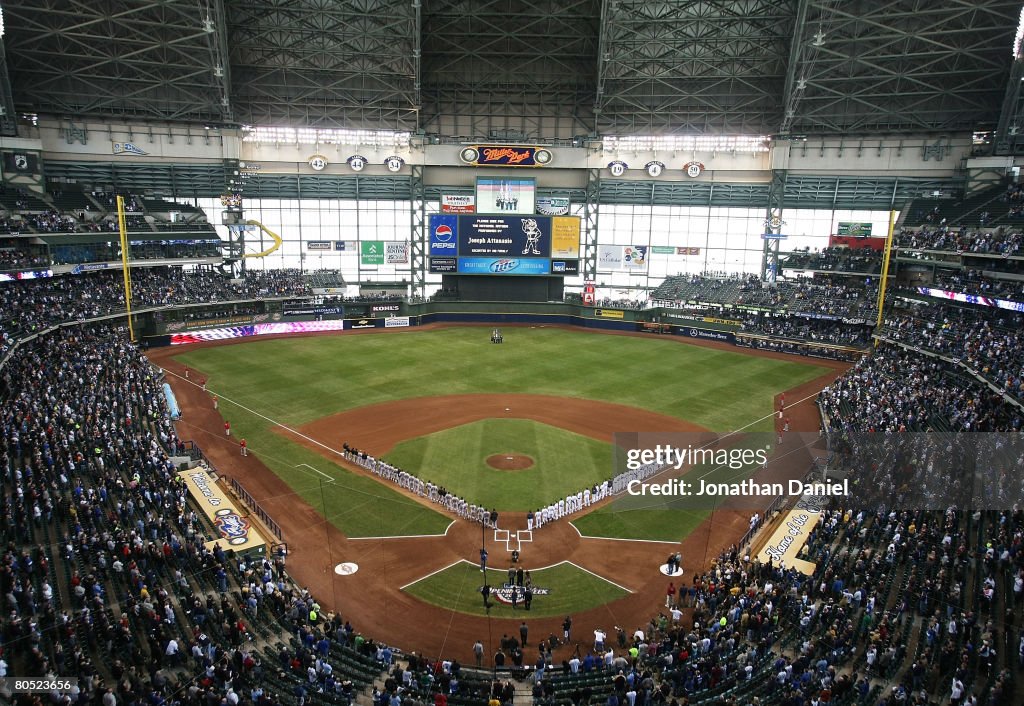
520, 537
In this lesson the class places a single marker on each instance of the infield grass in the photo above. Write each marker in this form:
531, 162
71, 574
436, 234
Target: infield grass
296, 380
572, 590
651, 524
564, 462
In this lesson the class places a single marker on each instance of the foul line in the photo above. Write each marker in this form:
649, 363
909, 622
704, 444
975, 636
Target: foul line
412, 536
539, 568
434, 573
330, 479
263, 417
588, 571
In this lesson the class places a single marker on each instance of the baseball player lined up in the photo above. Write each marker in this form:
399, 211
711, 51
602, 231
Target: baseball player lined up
424, 489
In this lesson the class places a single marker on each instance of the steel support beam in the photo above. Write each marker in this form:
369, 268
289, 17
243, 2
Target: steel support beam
418, 229
588, 255
773, 223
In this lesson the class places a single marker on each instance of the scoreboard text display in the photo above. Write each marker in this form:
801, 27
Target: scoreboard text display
504, 244
504, 236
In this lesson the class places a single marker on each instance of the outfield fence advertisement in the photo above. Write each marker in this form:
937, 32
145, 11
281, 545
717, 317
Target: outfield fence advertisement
223, 334
706, 334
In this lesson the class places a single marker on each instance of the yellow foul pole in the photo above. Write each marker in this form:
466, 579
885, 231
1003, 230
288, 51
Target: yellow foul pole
885, 271
124, 265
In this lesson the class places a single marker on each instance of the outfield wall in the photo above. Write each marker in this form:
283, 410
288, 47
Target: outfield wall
396, 315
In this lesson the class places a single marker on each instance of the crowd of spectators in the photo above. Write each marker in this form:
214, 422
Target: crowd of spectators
51, 222
74, 213
13, 257
898, 389
989, 344
841, 297
106, 572
802, 328
835, 259
793, 347
37, 304
981, 283
999, 241
107, 577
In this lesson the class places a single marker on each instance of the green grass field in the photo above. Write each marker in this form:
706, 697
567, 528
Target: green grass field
296, 380
640, 523
563, 462
572, 590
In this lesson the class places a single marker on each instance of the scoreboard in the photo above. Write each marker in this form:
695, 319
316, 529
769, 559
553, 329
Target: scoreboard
483, 244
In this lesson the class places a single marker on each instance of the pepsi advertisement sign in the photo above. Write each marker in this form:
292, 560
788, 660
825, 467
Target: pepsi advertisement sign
504, 266
443, 235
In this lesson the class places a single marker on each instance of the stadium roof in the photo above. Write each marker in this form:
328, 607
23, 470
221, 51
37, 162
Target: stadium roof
516, 69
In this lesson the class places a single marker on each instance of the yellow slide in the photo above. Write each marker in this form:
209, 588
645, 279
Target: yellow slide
274, 236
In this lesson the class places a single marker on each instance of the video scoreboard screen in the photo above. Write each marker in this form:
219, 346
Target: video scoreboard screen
506, 195
483, 244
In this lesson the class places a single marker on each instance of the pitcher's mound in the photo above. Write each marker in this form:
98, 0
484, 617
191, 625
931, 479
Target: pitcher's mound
510, 462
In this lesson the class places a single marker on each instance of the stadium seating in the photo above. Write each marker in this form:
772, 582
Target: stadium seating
104, 565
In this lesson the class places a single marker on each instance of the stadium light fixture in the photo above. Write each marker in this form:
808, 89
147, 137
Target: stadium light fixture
325, 136
1019, 36
686, 143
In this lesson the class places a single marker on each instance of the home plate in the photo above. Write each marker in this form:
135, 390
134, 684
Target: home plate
346, 568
